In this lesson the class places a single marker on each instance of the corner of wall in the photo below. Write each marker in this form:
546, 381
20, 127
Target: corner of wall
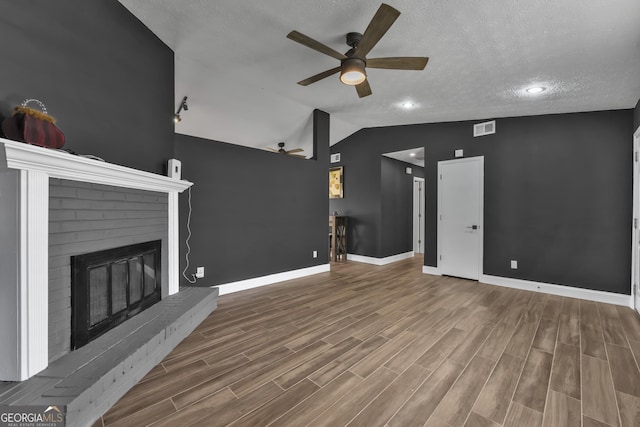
320, 135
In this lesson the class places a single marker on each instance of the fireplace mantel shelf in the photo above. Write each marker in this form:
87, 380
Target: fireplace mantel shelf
60, 164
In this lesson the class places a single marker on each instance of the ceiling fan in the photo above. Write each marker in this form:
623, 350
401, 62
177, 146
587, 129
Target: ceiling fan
353, 64
291, 152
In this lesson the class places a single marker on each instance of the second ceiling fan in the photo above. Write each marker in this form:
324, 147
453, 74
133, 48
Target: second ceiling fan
353, 64
291, 152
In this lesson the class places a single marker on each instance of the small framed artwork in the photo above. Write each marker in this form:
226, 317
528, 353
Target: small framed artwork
336, 182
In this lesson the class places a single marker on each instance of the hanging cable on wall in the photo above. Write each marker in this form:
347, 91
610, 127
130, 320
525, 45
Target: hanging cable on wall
193, 279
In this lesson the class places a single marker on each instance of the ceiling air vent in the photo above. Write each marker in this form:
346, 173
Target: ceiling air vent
486, 128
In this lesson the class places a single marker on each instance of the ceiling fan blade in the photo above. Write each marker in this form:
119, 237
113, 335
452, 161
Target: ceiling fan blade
273, 149
314, 44
297, 155
379, 25
295, 150
399, 63
319, 76
363, 89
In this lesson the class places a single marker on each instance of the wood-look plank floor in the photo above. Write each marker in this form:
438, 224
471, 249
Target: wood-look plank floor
367, 345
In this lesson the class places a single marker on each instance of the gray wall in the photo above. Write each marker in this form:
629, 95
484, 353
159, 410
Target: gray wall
362, 193
373, 184
255, 213
396, 228
636, 116
105, 77
558, 194
110, 83
86, 218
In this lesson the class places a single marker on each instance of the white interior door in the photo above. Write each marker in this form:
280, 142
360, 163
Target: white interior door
460, 222
418, 215
635, 230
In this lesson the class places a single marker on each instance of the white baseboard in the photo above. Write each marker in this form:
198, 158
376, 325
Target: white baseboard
434, 271
379, 261
565, 291
256, 282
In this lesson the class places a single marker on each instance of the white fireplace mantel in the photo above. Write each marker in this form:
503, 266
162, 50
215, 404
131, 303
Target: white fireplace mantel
60, 164
24, 221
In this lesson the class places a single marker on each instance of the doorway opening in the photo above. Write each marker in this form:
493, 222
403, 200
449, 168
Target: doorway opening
635, 232
403, 202
418, 215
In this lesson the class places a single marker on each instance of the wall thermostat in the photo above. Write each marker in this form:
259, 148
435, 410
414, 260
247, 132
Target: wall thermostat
174, 170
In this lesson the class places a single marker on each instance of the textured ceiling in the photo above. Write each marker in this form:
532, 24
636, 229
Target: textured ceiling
234, 62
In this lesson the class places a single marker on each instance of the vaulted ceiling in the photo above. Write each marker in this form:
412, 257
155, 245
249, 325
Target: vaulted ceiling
239, 71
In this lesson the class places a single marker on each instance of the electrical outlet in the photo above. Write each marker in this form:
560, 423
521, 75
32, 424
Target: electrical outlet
514, 264
315, 254
200, 272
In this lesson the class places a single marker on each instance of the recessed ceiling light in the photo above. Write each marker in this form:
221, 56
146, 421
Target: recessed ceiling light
412, 154
536, 90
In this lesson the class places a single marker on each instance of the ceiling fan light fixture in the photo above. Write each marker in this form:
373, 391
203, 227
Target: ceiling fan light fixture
353, 71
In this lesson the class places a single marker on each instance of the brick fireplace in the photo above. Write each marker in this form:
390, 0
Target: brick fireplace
85, 218
54, 206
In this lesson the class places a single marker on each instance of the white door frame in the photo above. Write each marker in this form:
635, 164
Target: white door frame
480, 214
416, 212
635, 223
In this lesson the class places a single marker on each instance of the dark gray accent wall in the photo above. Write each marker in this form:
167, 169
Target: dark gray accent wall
107, 78
254, 213
363, 192
85, 218
396, 227
558, 192
636, 116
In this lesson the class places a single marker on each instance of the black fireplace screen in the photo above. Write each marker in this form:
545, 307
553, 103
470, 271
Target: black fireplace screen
110, 286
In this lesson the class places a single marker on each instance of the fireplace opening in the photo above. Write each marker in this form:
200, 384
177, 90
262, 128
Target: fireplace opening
110, 286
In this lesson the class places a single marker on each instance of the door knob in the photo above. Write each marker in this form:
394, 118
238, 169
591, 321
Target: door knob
473, 227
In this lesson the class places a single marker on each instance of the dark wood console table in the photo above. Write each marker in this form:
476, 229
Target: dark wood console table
338, 238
